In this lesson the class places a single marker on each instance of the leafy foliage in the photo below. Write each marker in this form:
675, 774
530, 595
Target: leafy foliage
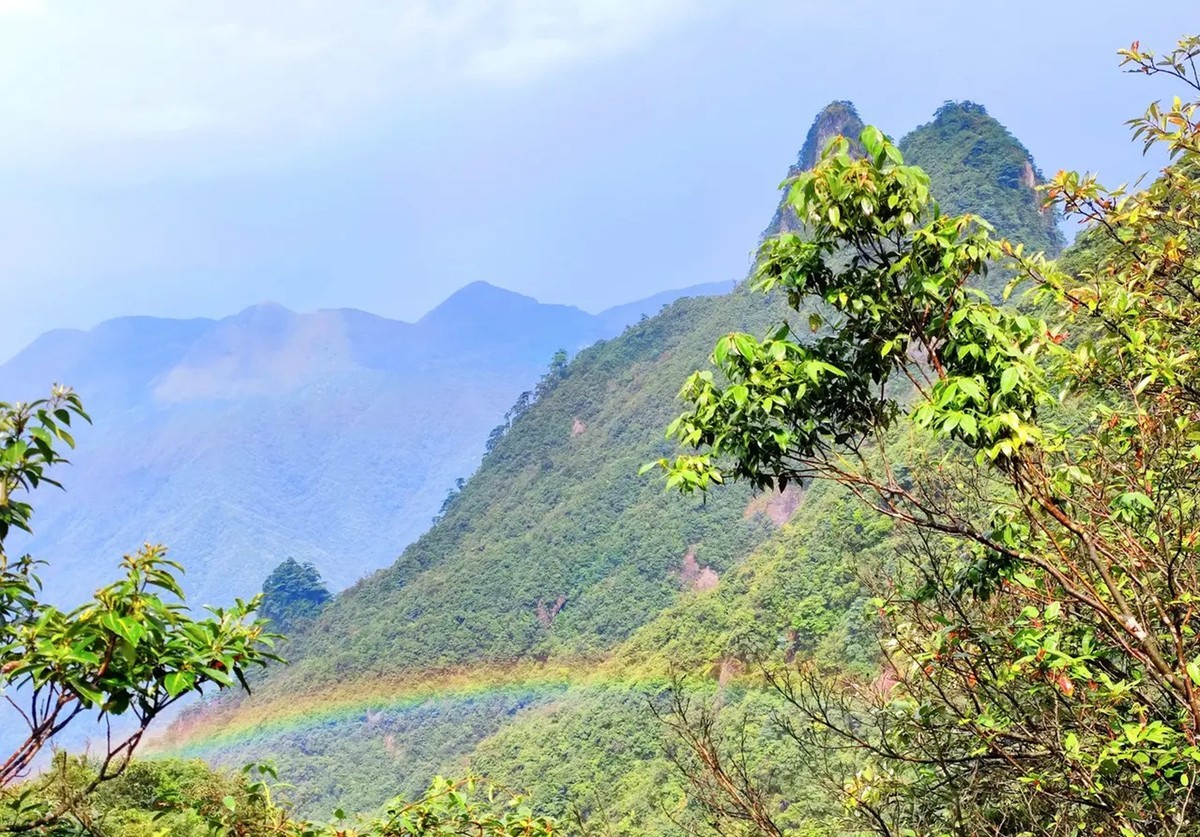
189, 799
790, 408
1040, 636
835, 119
127, 653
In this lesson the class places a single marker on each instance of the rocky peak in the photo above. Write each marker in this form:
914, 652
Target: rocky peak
839, 118
835, 119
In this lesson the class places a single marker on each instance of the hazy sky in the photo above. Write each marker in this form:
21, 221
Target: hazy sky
186, 158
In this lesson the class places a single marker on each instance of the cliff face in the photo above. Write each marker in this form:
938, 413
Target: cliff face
836, 118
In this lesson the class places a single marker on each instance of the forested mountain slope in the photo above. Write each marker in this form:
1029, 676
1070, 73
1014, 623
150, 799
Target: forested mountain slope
797, 594
977, 166
556, 546
556, 549
563, 582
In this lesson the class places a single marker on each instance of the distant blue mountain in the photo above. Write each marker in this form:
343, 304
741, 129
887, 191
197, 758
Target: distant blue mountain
484, 314
329, 437
618, 317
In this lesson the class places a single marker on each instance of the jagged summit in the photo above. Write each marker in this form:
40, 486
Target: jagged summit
838, 118
974, 164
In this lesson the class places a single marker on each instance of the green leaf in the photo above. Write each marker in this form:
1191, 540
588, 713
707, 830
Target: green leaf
745, 345
1024, 580
1008, 379
178, 682
218, 676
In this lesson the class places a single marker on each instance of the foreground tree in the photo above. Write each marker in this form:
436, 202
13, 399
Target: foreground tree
124, 657
1041, 653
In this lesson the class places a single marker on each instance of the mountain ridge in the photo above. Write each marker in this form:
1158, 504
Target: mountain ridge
471, 291
556, 554
279, 414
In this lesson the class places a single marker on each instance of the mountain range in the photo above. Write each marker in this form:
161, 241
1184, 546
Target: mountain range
523, 634
329, 437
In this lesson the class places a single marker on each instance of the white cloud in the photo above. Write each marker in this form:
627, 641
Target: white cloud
83, 79
539, 36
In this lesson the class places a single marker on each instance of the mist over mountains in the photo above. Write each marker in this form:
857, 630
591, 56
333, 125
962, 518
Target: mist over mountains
329, 437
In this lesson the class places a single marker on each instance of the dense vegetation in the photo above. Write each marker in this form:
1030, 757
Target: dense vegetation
1040, 656
1000, 639
557, 550
123, 658
190, 799
799, 594
994, 176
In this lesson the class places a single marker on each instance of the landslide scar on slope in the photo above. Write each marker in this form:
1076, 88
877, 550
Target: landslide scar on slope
694, 577
777, 506
546, 611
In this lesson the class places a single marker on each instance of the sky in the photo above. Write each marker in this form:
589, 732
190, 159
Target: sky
182, 159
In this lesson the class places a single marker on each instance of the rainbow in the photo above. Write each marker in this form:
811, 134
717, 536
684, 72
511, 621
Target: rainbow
227, 724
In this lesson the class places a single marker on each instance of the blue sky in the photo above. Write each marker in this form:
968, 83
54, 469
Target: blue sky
177, 158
